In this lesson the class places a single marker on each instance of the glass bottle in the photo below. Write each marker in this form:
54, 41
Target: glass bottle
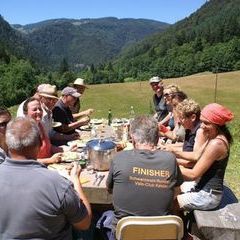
125, 133
93, 131
131, 113
109, 117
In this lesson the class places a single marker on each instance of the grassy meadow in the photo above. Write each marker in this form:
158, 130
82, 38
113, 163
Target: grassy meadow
205, 88
201, 87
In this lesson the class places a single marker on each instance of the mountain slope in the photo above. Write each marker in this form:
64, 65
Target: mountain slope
87, 41
14, 43
205, 41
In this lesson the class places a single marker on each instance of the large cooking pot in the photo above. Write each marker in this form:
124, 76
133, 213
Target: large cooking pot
100, 153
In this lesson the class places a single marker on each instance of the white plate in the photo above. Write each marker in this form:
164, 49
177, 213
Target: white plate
116, 124
116, 120
86, 128
79, 143
96, 121
56, 124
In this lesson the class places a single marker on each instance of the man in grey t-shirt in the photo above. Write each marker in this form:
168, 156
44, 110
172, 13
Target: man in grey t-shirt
144, 181
37, 203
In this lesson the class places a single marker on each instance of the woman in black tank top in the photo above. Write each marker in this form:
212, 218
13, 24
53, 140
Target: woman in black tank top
211, 166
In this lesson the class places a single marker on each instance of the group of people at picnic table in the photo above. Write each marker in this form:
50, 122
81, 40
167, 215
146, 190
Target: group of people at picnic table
177, 163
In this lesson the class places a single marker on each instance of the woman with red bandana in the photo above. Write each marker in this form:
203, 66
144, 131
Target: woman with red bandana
211, 166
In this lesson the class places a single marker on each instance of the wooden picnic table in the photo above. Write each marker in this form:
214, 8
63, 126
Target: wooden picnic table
94, 188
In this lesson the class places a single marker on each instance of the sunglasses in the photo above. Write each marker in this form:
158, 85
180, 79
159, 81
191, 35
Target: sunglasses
3, 124
166, 94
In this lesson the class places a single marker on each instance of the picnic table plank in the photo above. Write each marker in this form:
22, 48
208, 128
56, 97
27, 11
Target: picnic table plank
222, 224
95, 192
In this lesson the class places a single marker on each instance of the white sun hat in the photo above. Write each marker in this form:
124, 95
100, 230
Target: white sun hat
155, 79
80, 82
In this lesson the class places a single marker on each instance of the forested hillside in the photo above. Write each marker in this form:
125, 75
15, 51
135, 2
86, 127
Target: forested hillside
18, 77
208, 40
14, 43
49, 51
87, 41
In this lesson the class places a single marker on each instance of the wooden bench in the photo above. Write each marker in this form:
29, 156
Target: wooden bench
223, 223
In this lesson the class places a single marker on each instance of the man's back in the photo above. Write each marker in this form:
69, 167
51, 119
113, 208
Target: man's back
143, 182
36, 203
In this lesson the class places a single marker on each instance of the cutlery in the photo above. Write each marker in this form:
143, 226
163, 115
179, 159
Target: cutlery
96, 178
100, 179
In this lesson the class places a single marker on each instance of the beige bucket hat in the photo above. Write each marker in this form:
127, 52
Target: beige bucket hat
48, 90
155, 79
80, 82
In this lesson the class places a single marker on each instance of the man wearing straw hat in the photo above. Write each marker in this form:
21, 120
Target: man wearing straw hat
80, 86
47, 94
48, 98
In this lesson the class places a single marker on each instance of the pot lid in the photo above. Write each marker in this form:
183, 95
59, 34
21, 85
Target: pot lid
101, 144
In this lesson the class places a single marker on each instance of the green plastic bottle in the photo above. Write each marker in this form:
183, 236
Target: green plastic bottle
109, 117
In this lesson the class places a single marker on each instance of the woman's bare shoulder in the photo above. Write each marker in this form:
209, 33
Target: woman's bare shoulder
219, 144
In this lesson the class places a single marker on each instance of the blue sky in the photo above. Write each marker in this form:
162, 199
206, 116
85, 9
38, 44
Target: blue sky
31, 11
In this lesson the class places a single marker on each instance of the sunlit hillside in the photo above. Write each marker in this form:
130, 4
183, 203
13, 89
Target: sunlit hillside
223, 88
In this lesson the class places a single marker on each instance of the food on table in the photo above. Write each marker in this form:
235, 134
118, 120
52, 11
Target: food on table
86, 127
84, 180
129, 146
96, 121
62, 170
70, 156
80, 143
121, 145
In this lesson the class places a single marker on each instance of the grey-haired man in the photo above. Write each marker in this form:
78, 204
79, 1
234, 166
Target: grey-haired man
37, 203
63, 114
158, 100
144, 181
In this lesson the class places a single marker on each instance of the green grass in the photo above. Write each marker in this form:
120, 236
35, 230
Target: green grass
233, 168
201, 87
120, 96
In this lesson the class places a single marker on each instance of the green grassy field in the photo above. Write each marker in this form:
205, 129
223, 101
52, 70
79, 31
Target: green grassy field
201, 87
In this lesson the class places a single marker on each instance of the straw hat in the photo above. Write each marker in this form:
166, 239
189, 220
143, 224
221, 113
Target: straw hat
47, 90
155, 79
79, 82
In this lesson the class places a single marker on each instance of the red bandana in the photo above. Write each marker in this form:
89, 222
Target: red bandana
217, 114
